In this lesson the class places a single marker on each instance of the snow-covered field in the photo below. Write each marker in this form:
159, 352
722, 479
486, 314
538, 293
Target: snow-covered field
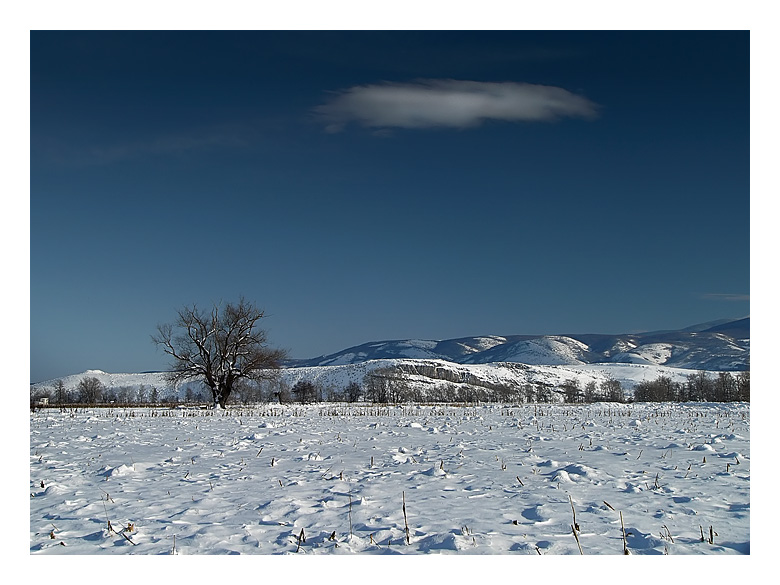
345, 479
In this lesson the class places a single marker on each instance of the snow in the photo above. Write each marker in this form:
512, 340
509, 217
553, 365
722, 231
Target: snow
650, 353
547, 350
494, 373
491, 479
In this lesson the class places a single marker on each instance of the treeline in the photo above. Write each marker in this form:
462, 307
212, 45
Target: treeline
698, 387
90, 390
392, 385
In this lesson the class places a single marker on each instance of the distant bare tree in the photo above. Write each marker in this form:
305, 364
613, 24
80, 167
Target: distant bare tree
725, 387
662, 389
60, 394
376, 384
743, 386
90, 390
612, 390
699, 387
219, 347
543, 392
591, 393
304, 391
352, 392
123, 394
389, 384
571, 390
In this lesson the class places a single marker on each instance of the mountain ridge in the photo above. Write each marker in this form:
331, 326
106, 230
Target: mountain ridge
722, 345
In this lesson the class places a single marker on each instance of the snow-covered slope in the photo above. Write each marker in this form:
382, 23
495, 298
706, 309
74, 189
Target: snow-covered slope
724, 346
428, 373
548, 350
455, 350
149, 380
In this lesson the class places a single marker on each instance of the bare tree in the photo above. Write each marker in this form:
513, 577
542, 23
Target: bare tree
90, 390
571, 390
743, 386
304, 391
388, 384
612, 390
591, 392
352, 392
725, 387
219, 347
699, 387
60, 393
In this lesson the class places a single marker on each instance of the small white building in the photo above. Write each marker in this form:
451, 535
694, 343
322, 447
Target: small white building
43, 401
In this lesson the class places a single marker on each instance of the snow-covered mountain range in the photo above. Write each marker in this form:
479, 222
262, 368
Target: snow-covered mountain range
496, 362
716, 346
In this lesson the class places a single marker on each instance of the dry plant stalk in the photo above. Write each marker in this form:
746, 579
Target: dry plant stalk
406, 523
668, 534
623, 528
575, 526
577, 538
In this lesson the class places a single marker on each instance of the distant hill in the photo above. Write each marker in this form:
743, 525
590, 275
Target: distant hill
716, 346
737, 329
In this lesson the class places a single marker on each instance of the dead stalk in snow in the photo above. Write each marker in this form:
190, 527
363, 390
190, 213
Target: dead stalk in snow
575, 526
667, 535
108, 522
406, 523
577, 538
623, 528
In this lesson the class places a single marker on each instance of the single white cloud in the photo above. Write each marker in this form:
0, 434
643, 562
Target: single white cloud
450, 103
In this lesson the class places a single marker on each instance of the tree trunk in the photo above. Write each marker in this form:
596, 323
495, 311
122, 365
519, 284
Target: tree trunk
222, 394
216, 397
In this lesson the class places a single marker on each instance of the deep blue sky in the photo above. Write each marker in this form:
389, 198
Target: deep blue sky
365, 186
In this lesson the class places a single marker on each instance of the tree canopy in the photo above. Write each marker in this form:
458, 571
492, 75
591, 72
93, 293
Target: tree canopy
219, 347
